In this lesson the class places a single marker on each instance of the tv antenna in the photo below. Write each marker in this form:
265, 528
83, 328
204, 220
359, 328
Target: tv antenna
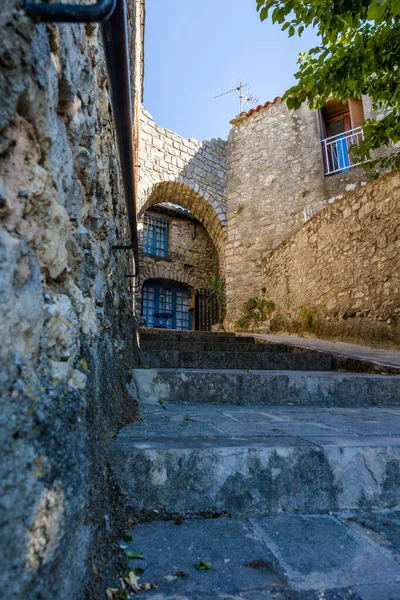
244, 96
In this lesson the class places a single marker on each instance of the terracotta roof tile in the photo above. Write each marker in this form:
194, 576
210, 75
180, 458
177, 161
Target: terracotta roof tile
259, 107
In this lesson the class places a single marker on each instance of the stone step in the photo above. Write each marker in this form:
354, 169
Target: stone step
266, 387
197, 460
236, 360
172, 339
285, 557
182, 335
220, 346
339, 362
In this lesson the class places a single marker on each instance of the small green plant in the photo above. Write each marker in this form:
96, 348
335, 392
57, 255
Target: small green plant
137, 555
239, 210
218, 291
307, 316
217, 285
203, 566
255, 311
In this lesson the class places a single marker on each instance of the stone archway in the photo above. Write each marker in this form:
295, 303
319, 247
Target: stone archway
204, 209
169, 273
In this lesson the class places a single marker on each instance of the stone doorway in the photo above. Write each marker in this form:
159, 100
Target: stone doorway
166, 305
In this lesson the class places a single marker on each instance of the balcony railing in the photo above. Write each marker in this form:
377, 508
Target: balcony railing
337, 158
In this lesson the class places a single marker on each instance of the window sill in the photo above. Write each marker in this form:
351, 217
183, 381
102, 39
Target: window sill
155, 257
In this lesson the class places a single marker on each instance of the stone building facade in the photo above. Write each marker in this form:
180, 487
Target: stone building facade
277, 169
275, 181
190, 175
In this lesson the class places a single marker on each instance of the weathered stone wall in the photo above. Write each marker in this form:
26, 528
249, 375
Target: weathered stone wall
185, 172
274, 174
192, 259
67, 336
343, 268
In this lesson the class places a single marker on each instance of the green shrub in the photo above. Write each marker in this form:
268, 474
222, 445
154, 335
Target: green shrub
218, 291
307, 316
255, 311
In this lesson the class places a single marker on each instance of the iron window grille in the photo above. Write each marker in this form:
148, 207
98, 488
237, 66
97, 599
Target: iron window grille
155, 236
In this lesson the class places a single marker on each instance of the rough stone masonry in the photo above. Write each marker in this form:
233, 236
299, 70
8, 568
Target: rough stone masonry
342, 268
189, 173
66, 327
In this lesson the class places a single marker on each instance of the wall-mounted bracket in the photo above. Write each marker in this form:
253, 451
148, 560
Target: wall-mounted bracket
135, 288
130, 247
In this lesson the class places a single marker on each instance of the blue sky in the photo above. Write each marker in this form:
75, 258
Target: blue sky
197, 49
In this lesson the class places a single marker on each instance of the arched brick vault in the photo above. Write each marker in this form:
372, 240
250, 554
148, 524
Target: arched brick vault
185, 196
169, 273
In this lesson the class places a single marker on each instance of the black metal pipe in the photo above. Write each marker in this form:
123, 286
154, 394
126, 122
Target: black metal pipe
115, 37
71, 13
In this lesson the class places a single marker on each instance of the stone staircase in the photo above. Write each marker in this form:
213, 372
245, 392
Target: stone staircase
203, 350
261, 452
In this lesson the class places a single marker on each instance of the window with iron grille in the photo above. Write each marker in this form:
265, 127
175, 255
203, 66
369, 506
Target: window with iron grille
155, 236
166, 306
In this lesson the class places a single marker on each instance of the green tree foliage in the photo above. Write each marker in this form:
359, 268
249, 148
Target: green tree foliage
359, 53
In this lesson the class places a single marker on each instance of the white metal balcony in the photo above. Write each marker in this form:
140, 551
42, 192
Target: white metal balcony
337, 158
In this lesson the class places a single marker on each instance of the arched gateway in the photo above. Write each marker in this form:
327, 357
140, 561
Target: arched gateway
182, 249
205, 211
182, 221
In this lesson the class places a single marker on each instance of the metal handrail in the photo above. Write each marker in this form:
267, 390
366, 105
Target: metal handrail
345, 133
114, 29
337, 157
71, 13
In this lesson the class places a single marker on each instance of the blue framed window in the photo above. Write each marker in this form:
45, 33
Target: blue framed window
155, 236
168, 299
